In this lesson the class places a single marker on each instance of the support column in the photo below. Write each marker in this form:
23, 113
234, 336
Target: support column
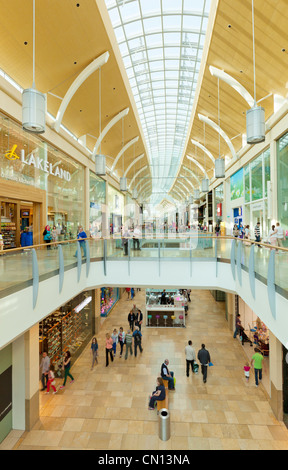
18, 380
230, 306
87, 200
276, 375
97, 311
31, 339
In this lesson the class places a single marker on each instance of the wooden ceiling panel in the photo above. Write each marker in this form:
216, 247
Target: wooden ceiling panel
68, 39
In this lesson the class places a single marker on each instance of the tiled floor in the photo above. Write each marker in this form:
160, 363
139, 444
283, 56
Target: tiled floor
107, 408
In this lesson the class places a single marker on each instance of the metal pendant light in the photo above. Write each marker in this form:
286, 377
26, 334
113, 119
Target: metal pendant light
191, 200
219, 162
255, 117
33, 101
134, 193
100, 160
196, 194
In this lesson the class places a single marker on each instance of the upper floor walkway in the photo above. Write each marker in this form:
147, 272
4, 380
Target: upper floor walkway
35, 281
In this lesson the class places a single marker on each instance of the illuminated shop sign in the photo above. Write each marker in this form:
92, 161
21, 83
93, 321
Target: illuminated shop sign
39, 163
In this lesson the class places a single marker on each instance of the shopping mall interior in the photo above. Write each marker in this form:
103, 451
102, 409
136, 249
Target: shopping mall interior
143, 186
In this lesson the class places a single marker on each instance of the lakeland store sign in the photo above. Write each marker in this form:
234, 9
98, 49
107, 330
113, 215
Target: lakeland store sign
39, 163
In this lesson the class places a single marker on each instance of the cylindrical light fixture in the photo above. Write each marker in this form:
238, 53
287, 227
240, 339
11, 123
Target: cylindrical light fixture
100, 165
219, 168
33, 111
123, 184
255, 124
134, 193
196, 194
205, 185
191, 200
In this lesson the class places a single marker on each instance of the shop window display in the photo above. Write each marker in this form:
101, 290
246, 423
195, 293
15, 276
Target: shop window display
27, 159
68, 328
282, 181
109, 297
97, 192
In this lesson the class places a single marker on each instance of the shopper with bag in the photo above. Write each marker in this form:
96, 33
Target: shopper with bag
109, 349
137, 335
94, 352
205, 361
190, 357
121, 340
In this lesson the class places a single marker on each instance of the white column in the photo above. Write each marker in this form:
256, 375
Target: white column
18, 383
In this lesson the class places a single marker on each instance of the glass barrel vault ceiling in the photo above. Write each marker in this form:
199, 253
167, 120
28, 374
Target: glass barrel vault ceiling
161, 42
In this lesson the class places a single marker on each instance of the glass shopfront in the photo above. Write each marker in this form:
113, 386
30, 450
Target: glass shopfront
256, 177
218, 202
116, 207
67, 329
97, 191
25, 158
109, 297
282, 182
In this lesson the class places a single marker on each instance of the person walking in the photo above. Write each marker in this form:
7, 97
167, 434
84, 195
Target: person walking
47, 236
114, 337
1, 241
139, 319
257, 233
257, 361
137, 336
280, 235
109, 349
128, 341
94, 352
190, 357
44, 367
247, 371
128, 292
131, 320
158, 395
238, 325
67, 367
121, 339
273, 236
166, 374
81, 237
51, 380
132, 293
204, 359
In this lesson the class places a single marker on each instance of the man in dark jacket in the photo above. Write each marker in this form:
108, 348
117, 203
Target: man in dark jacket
204, 359
166, 374
139, 319
131, 320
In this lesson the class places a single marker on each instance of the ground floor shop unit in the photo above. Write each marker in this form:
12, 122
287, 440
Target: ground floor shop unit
106, 408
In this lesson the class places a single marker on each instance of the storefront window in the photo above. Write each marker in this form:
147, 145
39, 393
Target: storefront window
267, 174
219, 200
25, 158
97, 200
116, 208
67, 329
109, 297
256, 178
282, 181
247, 183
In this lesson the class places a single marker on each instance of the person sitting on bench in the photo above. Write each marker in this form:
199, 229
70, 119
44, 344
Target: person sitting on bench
158, 395
167, 375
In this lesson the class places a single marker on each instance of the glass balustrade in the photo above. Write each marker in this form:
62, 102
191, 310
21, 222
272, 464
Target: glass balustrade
16, 265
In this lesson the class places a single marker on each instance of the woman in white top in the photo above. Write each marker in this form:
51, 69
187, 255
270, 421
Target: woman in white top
1, 242
273, 236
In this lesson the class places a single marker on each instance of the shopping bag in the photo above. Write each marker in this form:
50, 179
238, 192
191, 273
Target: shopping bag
210, 364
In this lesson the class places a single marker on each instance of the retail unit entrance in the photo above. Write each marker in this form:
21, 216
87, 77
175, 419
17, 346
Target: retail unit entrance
23, 212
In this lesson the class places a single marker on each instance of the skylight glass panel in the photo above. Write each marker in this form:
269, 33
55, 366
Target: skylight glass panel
161, 43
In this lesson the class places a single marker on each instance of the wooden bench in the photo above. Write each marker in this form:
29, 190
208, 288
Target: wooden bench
163, 403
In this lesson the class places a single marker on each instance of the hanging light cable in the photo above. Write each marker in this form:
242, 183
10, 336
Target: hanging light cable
255, 117
219, 162
33, 102
100, 160
205, 181
123, 179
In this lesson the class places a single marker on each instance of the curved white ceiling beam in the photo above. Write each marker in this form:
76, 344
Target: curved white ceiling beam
139, 183
177, 194
144, 186
123, 150
183, 185
181, 191
233, 83
96, 64
107, 129
192, 174
197, 164
220, 131
137, 174
209, 154
188, 181
133, 163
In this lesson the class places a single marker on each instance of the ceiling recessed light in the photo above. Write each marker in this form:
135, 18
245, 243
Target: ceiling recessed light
25, 43
75, 63
283, 50
77, 4
229, 26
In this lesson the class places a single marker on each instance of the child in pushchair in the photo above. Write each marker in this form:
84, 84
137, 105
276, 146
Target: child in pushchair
244, 338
